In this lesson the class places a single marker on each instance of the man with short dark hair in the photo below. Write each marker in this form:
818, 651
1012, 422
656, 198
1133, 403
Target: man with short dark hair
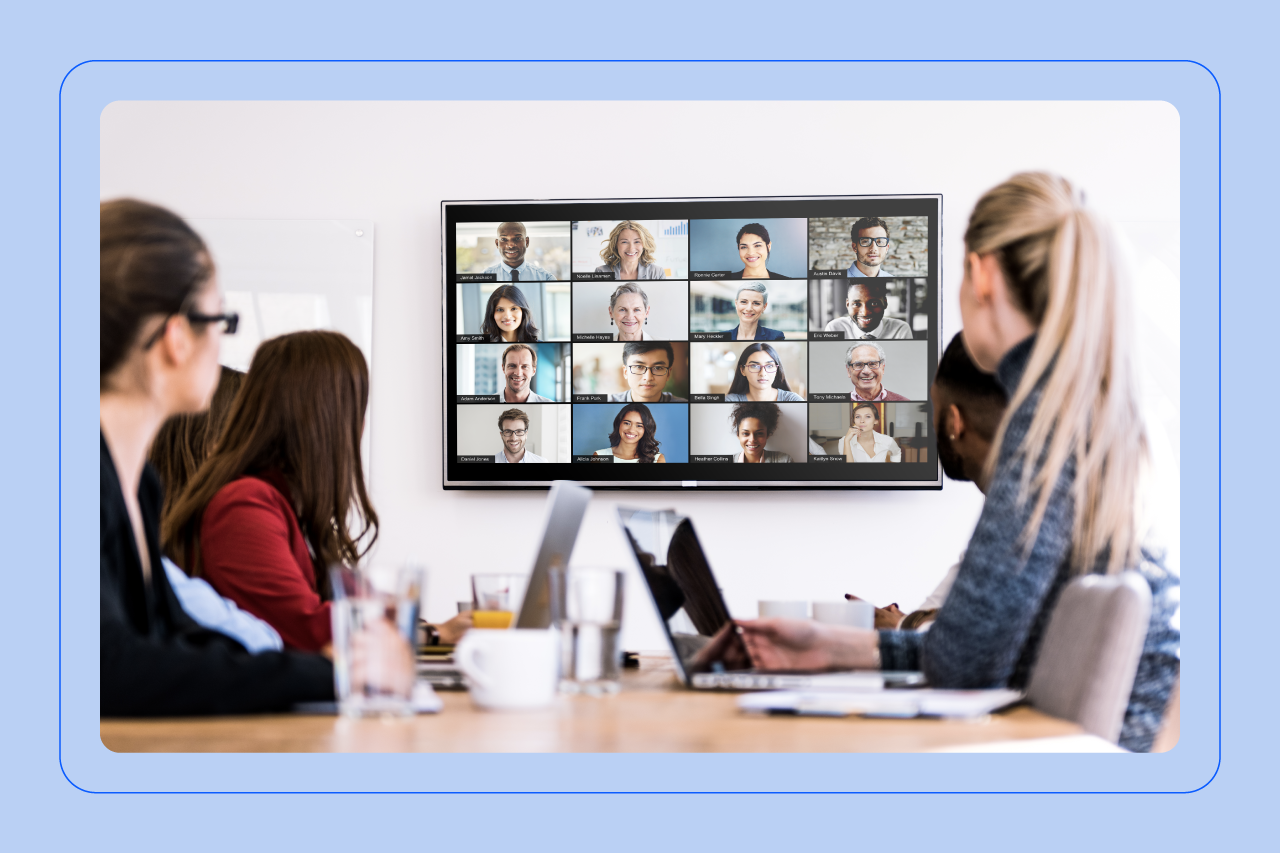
866, 303
513, 426
519, 366
646, 366
512, 243
869, 238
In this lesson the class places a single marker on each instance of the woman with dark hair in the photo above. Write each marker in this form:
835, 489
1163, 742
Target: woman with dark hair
634, 436
753, 248
507, 318
269, 511
162, 323
184, 441
760, 378
753, 423
864, 442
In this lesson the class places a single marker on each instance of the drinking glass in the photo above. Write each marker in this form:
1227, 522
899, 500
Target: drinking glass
495, 599
381, 684
586, 610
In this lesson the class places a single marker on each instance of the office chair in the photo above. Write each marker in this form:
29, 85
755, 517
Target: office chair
1090, 652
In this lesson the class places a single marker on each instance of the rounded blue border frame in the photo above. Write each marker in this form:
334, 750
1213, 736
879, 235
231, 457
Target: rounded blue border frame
293, 83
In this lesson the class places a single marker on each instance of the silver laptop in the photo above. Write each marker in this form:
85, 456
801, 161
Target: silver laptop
566, 505
692, 611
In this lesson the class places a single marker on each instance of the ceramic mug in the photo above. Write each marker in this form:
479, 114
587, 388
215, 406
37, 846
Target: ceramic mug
508, 670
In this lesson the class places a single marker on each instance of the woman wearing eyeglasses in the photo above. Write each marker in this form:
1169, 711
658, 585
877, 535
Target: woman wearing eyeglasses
161, 328
634, 437
647, 365
863, 442
760, 378
753, 423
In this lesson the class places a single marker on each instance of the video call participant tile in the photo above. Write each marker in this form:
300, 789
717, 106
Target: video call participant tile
871, 432
630, 249
512, 251
737, 371
878, 371
513, 373
501, 312
892, 309
630, 433
747, 249
869, 246
759, 310
637, 371
514, 433
631, 311
748, 432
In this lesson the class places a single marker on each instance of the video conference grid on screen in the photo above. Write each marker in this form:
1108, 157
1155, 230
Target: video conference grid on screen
699, 334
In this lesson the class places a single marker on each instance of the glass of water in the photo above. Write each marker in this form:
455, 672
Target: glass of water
586, 611
382, 604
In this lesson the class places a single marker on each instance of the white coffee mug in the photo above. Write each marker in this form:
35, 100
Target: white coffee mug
784, 609
509, 669
856, 614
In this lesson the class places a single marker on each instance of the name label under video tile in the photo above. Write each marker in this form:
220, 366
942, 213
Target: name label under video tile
815, 457
590, 398
469, 460
830, 398
596, 460
706, 398
709, 275
826, 336
478, 398
477, 276
591, 338
711, 459
828, 274
708, 336
470, 339
593, 276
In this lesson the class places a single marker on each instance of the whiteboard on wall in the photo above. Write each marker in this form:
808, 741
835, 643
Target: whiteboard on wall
289, 275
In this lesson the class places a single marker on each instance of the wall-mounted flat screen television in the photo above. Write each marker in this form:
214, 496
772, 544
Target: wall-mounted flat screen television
670, 343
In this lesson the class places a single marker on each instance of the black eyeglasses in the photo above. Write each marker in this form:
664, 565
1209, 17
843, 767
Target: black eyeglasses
864, 242
230, 321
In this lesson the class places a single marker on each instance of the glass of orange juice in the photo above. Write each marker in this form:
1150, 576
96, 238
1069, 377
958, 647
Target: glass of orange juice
495, 599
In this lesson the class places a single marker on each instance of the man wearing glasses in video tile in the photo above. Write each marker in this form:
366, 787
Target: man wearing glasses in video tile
869, 237
866, 364
646, 365
519, 366
866, 304
513, 425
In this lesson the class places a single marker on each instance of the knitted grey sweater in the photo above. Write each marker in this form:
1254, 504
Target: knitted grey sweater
989, 630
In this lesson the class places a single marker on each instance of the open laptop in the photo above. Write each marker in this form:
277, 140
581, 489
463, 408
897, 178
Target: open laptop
692, 611
566, 505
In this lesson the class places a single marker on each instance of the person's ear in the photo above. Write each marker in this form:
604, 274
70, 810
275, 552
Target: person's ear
176, 343
955, 422
984, 271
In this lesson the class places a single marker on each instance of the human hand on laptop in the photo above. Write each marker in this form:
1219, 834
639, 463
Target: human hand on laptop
803, 645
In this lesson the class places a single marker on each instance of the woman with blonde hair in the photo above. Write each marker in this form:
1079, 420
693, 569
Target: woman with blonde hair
1047, 307
629, 253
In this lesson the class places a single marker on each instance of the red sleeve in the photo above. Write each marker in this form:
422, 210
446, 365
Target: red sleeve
253, 553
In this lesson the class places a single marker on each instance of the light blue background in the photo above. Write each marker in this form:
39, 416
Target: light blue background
593, 422
44, 810
713, 245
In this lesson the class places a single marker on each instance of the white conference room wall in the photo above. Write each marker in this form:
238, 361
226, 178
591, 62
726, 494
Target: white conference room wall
388, 162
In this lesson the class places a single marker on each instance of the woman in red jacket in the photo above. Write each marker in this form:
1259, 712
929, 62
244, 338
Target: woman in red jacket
282, 496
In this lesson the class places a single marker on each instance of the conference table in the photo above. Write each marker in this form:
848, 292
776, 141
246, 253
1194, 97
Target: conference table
652, 713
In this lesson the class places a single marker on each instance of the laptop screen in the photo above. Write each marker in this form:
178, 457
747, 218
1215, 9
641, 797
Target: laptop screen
684, 591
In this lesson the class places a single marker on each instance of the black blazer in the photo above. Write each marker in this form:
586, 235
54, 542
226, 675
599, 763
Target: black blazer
155, 659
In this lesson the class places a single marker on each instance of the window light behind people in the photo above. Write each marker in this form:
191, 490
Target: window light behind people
508, 318
629, 312
760, 377
1048, 308
866, 365
629, 252
751, 303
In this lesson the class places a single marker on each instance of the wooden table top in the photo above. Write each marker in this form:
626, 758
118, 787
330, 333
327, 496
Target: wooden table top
653, 713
